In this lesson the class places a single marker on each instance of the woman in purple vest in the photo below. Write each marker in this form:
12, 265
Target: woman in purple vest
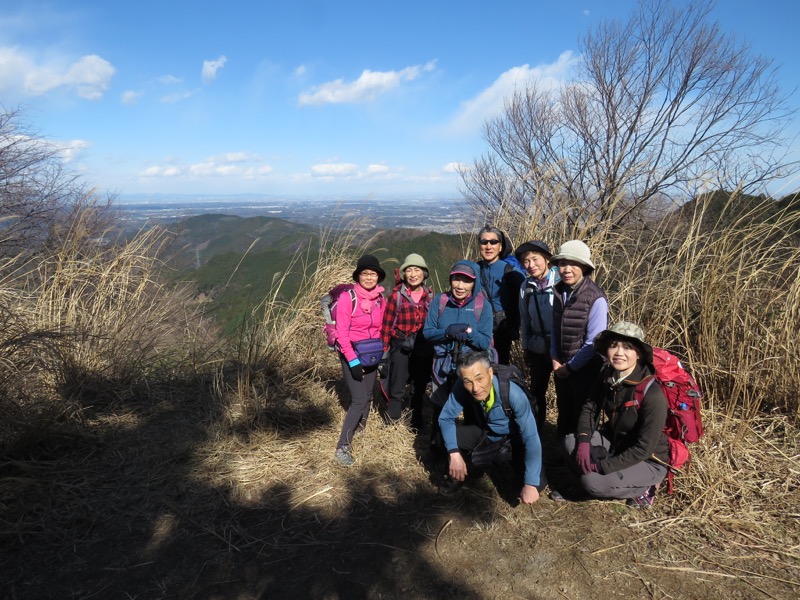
580, 313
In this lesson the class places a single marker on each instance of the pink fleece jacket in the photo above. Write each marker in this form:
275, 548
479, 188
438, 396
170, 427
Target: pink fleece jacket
359, 325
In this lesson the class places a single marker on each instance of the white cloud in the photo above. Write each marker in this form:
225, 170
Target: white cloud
72, 150
170, 80
473, 113
334, 169
150, 172
256, 172
156, 171
210, 68
454, 167
366, 88
301, 70
231, 164
236, 157
131, 96
178, 96
89, 76
377, 169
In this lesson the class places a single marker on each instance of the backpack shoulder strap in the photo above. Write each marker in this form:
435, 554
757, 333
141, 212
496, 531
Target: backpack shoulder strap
442, 302
640, 391
504, 388
353, 300
480, 300
504, 383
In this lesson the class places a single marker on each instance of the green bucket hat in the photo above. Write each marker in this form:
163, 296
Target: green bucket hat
414, 260
628, 332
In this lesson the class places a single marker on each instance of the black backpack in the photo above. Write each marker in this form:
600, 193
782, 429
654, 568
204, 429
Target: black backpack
505, 375
502, 451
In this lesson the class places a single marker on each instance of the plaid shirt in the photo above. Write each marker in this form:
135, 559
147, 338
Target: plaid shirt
409, 318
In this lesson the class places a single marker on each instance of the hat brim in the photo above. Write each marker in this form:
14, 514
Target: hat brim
381, 273
529, 247
554, 260
464, 273
404, 267
604, 339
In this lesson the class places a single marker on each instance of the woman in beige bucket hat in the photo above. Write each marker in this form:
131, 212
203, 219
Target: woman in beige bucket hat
580, 312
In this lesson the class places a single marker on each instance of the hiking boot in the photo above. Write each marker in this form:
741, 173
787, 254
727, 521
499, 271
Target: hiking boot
449, 486
343, 457
645, 500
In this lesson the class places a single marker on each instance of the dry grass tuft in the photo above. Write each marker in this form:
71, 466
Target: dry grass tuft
92, 324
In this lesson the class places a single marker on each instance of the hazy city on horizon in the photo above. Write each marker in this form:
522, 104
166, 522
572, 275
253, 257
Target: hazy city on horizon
430, 213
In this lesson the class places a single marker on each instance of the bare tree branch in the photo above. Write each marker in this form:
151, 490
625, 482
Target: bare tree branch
663, 106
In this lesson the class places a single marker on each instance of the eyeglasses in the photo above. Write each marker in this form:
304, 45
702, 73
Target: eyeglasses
492, 242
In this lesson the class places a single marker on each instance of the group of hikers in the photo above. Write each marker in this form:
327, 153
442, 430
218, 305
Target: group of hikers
485, 413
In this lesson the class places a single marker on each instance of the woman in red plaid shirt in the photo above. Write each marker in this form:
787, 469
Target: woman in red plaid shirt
409, 356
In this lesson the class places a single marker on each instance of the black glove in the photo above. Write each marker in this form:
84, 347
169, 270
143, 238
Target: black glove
457, 331
357, 371
383, 368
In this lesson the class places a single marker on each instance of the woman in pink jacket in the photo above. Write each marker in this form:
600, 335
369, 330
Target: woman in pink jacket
358, 333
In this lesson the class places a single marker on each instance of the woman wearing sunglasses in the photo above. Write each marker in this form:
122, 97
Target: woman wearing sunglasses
501, 281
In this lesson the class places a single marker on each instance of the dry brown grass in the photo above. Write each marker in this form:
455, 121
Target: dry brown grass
734, 513
93, 324
242, 463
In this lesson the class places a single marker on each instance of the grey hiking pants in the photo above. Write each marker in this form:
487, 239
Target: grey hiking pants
360, 401
626, 483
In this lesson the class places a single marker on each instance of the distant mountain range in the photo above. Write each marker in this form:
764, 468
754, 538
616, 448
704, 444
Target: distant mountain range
234, 261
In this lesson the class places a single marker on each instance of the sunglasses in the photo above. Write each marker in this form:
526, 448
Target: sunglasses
492, 242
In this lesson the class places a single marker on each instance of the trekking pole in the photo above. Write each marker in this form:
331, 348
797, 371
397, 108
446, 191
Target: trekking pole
663, 464
456, 353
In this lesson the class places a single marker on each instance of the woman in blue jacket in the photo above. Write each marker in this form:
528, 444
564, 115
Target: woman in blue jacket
459, 321
536, 318
500, 275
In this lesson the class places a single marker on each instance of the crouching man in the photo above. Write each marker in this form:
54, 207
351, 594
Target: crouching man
494, 431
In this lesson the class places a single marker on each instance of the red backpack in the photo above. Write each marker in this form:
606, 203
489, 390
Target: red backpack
684, 422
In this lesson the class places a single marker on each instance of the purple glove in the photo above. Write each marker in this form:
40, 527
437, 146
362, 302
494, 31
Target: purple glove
583, 456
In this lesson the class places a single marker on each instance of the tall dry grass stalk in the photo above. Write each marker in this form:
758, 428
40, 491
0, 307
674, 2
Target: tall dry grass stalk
718, 285
93, 323
723, 294
283, 338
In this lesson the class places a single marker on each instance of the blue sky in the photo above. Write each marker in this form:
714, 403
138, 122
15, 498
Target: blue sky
300, 98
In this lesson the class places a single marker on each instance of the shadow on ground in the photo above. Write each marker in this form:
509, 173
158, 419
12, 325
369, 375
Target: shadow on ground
118, 510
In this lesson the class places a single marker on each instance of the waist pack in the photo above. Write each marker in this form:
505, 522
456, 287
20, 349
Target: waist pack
684, 421
369, 351
489, 454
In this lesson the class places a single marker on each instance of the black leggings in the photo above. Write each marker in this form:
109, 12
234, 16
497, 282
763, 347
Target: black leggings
403, 366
